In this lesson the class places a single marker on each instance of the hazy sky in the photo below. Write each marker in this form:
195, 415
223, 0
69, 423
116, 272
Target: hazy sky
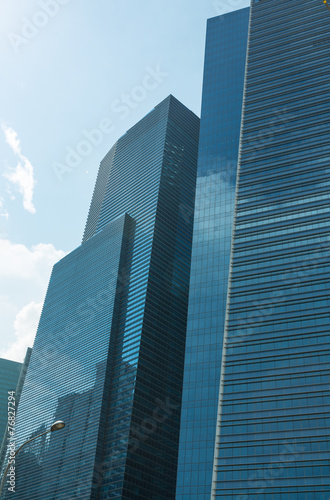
75, 76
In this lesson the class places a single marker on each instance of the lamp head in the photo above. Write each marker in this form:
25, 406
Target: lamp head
59, 424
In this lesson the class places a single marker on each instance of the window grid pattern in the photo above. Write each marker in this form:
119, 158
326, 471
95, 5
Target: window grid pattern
275, 413
152, 176
215, 193
67, 371
9, 375
113, 326
132, 185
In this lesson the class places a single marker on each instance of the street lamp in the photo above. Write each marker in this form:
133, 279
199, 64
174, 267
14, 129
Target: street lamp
326, 4
59, 424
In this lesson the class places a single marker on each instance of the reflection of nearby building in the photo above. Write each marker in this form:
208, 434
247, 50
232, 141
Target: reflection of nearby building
70, 362
109, 351
12, 377
75, 446
26, 460
267, 348
215, 197
29, 458
275, 391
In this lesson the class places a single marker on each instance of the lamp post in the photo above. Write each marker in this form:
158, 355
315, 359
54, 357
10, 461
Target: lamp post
326, 4
59, 424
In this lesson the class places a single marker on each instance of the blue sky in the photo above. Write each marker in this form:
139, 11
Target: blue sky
75, 76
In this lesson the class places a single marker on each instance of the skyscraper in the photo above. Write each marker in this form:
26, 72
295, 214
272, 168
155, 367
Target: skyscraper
272, 340
215, 196
109, 350
9, 375
12, 379
273, 417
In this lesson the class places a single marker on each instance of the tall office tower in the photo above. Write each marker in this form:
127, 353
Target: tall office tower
215, 195
273, 420
9, 375
109, 352
12, 379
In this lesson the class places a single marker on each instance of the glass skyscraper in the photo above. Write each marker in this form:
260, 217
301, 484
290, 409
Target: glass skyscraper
9, 375
12, 376
109, 351
225, 56
273, 418
256, 381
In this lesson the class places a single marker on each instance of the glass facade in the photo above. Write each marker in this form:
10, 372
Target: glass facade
157, 190
5, 378
9, 375
109, 352
69, 363
274, 421
225, 56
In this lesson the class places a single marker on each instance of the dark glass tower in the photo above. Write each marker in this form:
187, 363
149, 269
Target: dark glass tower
273, 420
109, 352
215, 195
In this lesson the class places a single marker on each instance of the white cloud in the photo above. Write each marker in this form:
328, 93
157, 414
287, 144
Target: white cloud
25, 327
23, 175
19, 261
24, 276
3, 211
12, 139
